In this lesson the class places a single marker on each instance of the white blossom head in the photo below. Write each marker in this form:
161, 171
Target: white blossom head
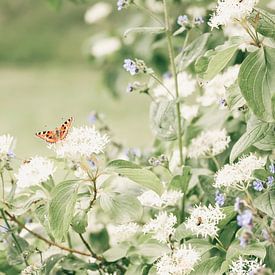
80, 142
122, 232
215, 89
238, 174
36, 170
188, 112
187, 86
228, 11
97, 12
31, 270
179, 262
209, 143
152, 199
6, 146
105, 46
245, 267
162, 227
204, 220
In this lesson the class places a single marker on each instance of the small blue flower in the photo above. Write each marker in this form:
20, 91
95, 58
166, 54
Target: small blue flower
219, 198
130, 88
182, 20
243, 241
122, 4
238, 204
198, 20
258, 185
92, 118
272, 168
130, 66
91, 163
270, 180
223, 102
11, 154
245, 219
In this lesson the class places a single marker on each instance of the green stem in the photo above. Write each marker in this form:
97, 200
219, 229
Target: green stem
86, 244
161, 83
220, 244
69, 241
152, 15
3, 186
14, 237
174, 72
218, 167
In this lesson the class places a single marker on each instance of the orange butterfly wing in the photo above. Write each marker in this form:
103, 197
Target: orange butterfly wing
58, 134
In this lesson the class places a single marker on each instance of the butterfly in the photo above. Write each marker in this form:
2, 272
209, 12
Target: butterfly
58, 134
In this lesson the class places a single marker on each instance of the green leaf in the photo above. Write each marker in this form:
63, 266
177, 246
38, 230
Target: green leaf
256, 80
234, 98
268, 142
14, 255
51, 262
206, 183
182, 232
266, 203
144, 30
99, 241
230, 214
61, 208
256, 132
208, 267
264, 22
235, 250
214, 61
270, 256
80, 222
163, 119
142, 176
200, 245
261, 174
117, 252
5, 267
192, 52
121, 207
180, 182
227, 235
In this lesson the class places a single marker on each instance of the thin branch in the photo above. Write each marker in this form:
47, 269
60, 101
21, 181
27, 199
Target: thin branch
87, 245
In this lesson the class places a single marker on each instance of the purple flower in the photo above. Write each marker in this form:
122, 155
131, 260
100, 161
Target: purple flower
258, 185
198, 20
219, 198
270, 180
130, 88
11, 154
130, 66
122, 4
272, 168
243, 241
245, 219
92, 117
182, 20
238, 204
223, 102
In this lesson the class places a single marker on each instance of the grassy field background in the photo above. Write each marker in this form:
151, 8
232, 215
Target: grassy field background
45, 78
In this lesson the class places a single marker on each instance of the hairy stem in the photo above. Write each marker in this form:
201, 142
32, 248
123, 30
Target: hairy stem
175, 76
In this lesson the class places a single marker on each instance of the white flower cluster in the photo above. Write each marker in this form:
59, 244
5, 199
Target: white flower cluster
31, 270
152, 199
204, 220
215, 89
179, 262
229, 10
105, 46
80, 142
6, 144
188, 112
122, 232
34, 171
97, 12
245, 267
187, 85
237, 174
162, 227
209, 143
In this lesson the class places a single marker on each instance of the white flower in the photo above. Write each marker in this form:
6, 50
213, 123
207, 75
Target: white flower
245, 267
174, 161
189, 112
215, 89
122, 232
186, 83
209, 143
204, 220
6, 144
152, 199
80, 142
237, 174
162, 227
97, 12
35, 171
179, 262
31, 270
105, 46
229, 10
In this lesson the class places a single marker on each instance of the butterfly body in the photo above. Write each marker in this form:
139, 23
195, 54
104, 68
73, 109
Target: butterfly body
58, 134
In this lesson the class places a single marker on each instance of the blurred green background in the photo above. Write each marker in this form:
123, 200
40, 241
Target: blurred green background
45, 77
